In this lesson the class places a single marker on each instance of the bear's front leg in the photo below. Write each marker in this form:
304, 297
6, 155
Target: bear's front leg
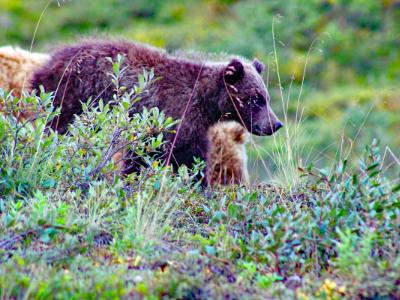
185, 154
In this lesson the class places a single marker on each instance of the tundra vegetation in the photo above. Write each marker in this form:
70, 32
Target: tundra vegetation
321, 220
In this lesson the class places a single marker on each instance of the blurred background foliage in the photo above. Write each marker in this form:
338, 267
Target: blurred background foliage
350, 48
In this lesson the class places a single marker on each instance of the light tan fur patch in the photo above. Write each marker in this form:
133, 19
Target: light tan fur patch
16, 69
227, 159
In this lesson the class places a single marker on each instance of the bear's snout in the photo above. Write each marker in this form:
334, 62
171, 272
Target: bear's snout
277, 126
266, 130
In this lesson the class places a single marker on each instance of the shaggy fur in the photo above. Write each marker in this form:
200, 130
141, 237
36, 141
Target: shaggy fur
209, 91
17, 67
226, 158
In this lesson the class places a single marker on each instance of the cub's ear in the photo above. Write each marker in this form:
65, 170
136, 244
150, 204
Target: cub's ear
258, 65
239, 134
234, 71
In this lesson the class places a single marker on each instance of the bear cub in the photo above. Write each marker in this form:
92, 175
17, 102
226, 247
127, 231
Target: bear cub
226, 158
17, 67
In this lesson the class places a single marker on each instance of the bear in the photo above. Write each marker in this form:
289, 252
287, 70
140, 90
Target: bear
197, 92
226, 158
17, 67
227, 139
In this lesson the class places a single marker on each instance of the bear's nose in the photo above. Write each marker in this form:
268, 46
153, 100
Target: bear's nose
278, 125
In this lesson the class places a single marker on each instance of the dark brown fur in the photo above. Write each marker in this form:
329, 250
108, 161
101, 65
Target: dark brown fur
233, 88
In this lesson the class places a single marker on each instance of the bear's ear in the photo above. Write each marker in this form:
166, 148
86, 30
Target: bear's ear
234, 71
258, 65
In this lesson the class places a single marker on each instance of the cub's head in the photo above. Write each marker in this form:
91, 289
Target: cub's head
228, 133
247, 97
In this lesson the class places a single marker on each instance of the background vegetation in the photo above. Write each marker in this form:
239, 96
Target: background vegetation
324, 223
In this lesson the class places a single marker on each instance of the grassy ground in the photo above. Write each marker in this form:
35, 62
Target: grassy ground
71, 228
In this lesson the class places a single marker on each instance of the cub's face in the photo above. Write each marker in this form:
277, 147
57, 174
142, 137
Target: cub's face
248, 99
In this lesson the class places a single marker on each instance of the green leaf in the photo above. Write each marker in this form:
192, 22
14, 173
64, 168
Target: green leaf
210, 250
233, 210
396, 188
41, 222
265, 281
49, 183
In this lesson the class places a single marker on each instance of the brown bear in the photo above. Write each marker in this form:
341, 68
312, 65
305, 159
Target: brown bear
197, 92
226, 158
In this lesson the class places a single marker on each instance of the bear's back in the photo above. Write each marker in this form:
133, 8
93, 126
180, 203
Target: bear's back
83, 71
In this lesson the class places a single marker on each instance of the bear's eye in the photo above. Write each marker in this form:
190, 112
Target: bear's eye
257, 100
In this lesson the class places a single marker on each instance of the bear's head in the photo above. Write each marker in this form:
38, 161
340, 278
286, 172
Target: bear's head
247, 97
